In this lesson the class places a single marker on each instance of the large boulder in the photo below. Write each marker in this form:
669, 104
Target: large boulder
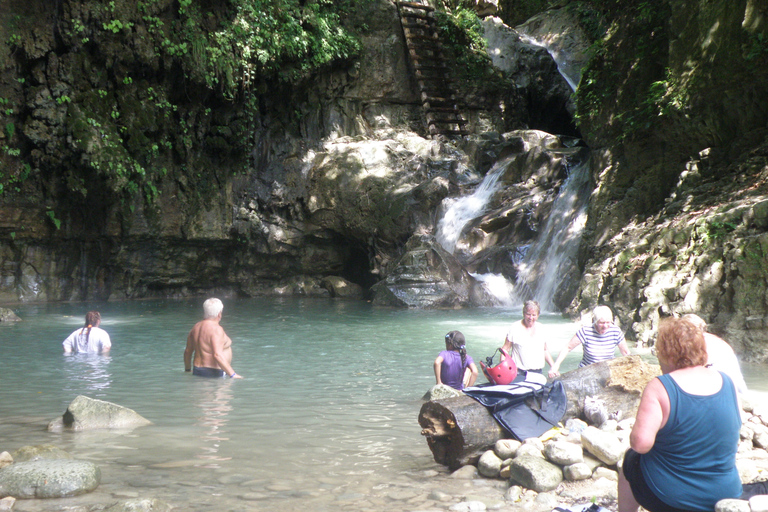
87, 414
60, 478
429, 277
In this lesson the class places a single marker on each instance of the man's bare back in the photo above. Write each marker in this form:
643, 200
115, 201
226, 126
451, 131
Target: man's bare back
211, 347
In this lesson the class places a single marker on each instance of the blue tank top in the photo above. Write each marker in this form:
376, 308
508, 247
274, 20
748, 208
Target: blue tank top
692, 464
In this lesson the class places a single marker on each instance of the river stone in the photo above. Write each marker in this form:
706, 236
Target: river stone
603, 445
40, 451
140, 505
759, 503
440, 391
732, 505
6, 503
87, 413
340, 287
535, 473
7, 315
506, 448
49, 479
578, 471
564, 453
5, 459
489, 464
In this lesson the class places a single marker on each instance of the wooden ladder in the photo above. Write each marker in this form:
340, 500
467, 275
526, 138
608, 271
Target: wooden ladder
428, 64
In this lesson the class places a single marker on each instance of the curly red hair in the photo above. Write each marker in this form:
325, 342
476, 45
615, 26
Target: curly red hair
681, 344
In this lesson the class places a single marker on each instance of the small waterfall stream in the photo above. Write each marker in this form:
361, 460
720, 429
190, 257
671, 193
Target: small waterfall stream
546, 264
469, 207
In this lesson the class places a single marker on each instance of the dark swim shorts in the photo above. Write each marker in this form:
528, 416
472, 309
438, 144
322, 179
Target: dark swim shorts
643, 494
204, 371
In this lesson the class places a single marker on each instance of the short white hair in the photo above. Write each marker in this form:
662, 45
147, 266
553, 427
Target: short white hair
602, 313
212, 307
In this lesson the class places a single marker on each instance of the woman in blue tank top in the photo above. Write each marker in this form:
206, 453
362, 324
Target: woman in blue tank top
686, 432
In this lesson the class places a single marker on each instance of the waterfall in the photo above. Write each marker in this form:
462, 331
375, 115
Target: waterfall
568, 70
466, 208
544, 265
547, 261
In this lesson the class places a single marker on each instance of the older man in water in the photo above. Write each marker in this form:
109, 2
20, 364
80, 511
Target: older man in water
211, 346
598, 340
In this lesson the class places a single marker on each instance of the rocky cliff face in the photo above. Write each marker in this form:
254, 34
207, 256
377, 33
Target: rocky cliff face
288, 189
676, 223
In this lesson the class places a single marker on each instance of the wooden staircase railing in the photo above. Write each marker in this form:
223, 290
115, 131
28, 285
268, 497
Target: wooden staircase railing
429, 67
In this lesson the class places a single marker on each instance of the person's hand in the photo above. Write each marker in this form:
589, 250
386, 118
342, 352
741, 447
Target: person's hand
553, 374
237, 376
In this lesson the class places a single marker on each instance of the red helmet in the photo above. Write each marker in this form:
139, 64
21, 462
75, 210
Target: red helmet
504, 372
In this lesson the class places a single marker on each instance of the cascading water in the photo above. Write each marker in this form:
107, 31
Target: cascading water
546, 264
568, 70
466, 208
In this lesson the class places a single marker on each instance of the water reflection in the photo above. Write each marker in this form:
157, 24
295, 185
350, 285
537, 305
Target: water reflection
213, 400
87, 374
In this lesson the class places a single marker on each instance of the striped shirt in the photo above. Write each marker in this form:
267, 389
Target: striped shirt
598, 347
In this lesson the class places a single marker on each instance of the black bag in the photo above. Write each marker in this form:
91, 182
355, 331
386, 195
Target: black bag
526, 408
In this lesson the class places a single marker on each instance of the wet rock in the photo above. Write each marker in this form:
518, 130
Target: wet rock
38, 452
467, 472
7, 315
140, 505
429, 277
87, 413
5, 459
340, 287
49, 479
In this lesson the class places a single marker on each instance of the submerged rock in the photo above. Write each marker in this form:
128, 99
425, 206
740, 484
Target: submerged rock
49, 479
40, 452
87, 413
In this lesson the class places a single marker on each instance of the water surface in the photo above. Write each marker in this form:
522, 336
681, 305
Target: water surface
325, 418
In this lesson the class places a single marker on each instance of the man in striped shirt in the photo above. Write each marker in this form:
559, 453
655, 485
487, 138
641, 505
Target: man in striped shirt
599, 341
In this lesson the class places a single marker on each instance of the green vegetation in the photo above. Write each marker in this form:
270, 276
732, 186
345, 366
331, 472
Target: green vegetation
462, 35
251, 41
645, 92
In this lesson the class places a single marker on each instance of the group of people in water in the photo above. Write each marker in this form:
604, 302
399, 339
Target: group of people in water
208, 352
683, 444
526, 344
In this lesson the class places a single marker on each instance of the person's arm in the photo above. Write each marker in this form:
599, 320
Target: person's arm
650, 417
106, 343
188, 351
69, 343
218, 355
472, 369
507, 346
623, 347
438, 369
554, 370
548, 357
